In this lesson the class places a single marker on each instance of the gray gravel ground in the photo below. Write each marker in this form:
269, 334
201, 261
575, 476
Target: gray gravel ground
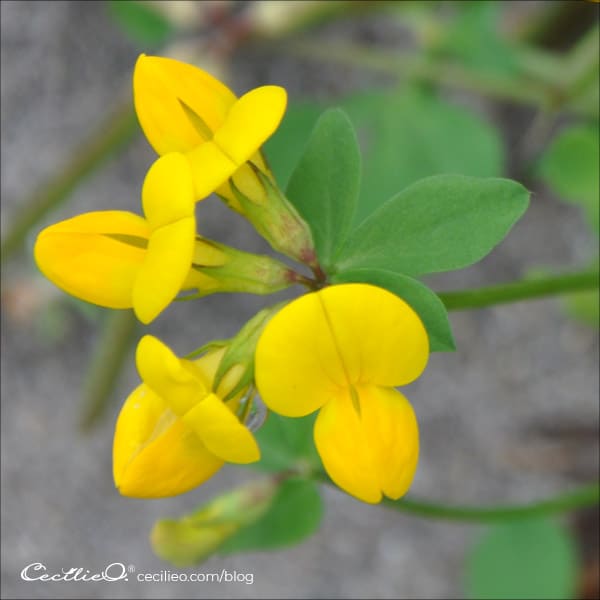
515, 366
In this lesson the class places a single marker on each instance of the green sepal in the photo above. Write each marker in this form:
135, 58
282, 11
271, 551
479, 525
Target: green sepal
241, 349
277, 221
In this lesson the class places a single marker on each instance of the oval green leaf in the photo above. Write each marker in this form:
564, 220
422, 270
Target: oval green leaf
294, 514
438, 224
285, 442
325, 184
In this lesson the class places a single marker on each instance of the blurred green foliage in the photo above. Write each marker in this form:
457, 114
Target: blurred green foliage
140, 22
523, 560
570, 167
585, 307
475, 40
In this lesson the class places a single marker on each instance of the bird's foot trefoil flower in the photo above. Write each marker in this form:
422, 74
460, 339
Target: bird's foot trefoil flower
175, 430
118, 259
342, 351
181, 108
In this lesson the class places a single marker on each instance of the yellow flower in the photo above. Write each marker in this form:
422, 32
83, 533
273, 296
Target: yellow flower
343, 350
98, 257
174, 432
184, 109
120, 260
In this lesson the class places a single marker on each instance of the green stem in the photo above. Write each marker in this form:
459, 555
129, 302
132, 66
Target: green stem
587, 495
119, 333
526, 289
422, 67
103, 143
418, 65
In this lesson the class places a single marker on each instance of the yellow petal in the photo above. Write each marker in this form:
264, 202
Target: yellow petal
251, 121
390, 426
179, 382
155, 454
209, 363
211, 167
200, 282
208, 254
165, 269
168, 191
158, 86
105, 222
221, 432
95, 256
343, 335
372, 450
380, 337
298, 368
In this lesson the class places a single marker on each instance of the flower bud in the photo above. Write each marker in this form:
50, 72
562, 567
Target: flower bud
274, 217
220, 268
193, 538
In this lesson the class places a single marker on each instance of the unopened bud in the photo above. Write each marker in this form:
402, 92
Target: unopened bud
193, 538
274, 217
220, 268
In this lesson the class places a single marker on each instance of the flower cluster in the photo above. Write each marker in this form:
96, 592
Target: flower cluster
339, 349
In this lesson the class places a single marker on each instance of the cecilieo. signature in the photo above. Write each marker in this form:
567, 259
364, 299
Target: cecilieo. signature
38, 572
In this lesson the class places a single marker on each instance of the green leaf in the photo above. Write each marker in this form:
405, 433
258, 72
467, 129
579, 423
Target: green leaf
438, 224
405, 135
285, 442
523, 560
422, 300
570, 168
294, 514
141, 22
409, 134
284, 149
325, 184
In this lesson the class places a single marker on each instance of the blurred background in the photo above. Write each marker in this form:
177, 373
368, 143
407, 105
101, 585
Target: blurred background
479, 88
